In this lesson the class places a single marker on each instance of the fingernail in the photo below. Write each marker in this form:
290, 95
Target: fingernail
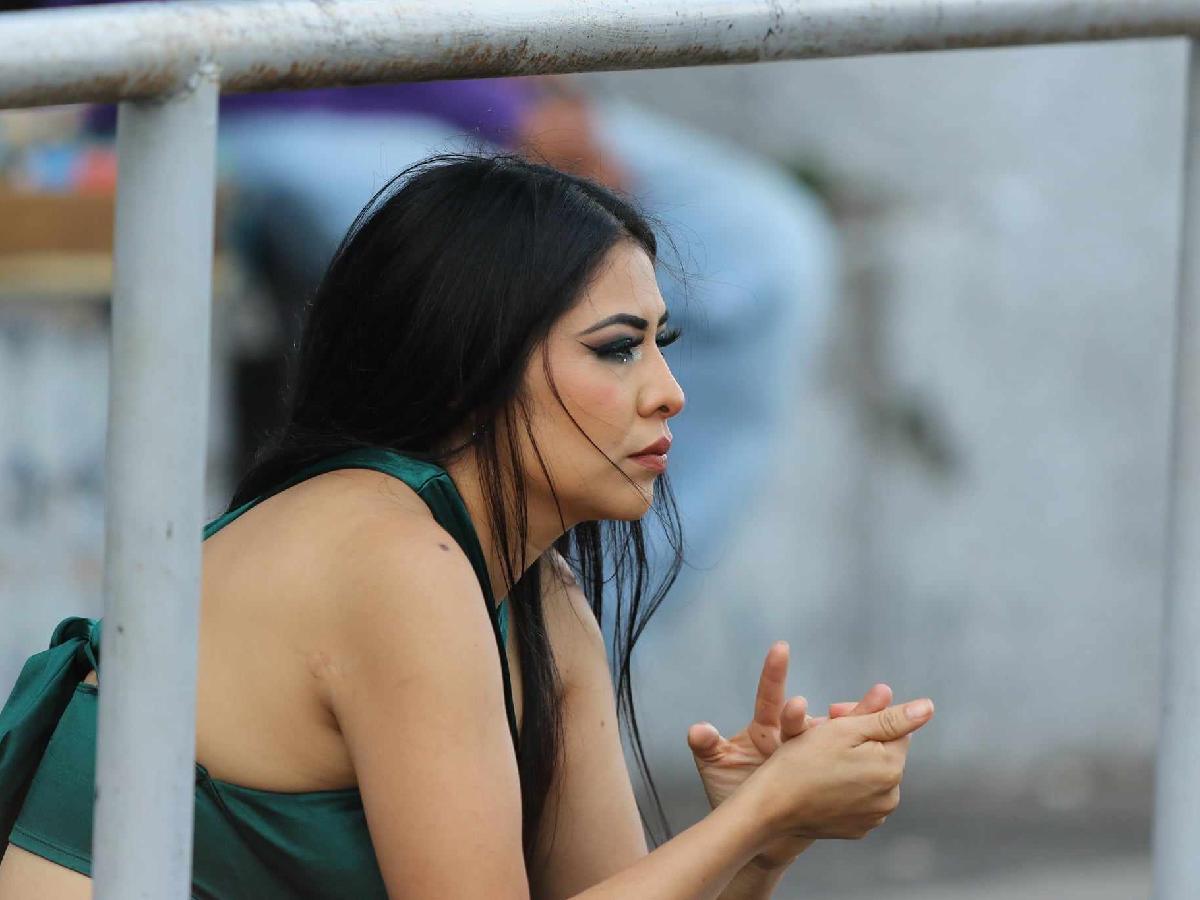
918, 709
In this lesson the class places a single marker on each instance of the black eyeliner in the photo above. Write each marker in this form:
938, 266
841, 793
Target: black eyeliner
626, 344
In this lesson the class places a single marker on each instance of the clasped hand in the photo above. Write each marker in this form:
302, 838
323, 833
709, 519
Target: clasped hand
725, 763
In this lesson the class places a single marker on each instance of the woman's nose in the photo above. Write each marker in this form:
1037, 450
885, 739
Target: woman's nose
663, 393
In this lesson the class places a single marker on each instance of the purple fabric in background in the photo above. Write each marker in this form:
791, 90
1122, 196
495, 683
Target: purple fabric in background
491, 108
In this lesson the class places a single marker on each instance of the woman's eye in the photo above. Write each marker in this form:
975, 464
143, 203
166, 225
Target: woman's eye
624, 350
627, 349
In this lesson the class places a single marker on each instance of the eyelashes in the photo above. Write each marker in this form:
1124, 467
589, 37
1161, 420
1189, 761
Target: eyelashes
628, 349
668, 337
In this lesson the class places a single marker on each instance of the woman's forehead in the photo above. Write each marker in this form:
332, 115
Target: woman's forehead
624, 283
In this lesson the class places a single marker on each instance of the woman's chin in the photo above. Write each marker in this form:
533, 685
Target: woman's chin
633, 507
619, 499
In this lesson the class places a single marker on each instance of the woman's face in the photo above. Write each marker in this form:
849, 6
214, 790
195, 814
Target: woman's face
607, 363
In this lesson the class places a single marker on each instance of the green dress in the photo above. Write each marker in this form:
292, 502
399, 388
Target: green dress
247, 843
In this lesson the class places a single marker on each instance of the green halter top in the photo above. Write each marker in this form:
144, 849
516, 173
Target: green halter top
248, 843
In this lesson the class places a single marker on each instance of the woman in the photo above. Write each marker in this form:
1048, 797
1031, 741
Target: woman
480, 411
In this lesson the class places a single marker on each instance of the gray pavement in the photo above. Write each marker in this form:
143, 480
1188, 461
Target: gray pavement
952, 843
1123, 878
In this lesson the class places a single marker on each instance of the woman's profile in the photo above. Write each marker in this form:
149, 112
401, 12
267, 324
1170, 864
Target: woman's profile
403, 688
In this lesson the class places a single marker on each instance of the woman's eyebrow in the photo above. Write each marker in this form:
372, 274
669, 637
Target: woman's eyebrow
624, 319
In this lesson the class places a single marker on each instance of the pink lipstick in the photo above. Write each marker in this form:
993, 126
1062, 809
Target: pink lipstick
654, 457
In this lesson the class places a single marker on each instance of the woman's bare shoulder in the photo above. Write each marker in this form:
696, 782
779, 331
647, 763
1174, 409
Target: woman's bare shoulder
387, 578
380, 534
330, 543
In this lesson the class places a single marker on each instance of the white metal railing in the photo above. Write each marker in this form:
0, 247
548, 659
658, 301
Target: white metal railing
109, 53
166, 63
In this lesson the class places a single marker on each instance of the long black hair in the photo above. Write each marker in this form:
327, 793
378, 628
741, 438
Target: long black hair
423, 326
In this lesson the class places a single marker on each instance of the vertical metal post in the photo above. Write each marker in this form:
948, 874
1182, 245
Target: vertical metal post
1177, 800
158, 418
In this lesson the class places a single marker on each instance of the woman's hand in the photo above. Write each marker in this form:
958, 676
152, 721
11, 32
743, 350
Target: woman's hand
839, 780
724, 763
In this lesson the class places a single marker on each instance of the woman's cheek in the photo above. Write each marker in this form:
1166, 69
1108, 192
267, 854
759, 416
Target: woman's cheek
605, 404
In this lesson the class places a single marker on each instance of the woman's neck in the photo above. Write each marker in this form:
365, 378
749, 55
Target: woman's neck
544, 526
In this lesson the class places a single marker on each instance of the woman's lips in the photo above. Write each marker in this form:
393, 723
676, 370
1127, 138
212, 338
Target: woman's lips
655, 462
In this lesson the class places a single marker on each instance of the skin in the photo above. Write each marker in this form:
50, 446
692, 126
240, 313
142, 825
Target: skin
311, 675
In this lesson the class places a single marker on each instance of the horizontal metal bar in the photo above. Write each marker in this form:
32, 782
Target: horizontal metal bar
135, 51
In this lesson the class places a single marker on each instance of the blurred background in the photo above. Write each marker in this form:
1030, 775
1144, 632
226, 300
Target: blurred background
960, 491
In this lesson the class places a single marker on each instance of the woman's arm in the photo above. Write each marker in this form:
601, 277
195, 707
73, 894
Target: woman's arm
592, 794
753, 882
697, 863
413, 678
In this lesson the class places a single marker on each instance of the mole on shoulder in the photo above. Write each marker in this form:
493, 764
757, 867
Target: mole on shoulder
443, 546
